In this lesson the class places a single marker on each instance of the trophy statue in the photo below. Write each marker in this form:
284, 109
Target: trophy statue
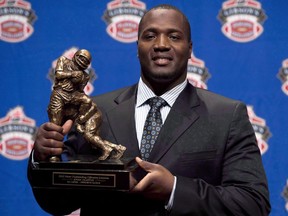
69, 101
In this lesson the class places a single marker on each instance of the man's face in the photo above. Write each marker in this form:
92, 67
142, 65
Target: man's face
163, 46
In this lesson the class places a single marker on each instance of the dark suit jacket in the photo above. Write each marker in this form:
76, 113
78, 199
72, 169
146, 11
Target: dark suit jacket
207, 141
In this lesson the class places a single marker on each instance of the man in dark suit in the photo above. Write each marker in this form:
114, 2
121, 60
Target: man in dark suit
205, 160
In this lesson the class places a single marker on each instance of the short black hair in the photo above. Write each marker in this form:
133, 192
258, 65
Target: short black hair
169, 7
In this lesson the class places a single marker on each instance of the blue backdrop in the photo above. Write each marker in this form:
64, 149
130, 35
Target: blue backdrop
240, 50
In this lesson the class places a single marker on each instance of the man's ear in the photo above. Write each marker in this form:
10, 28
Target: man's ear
190, 50
137, 48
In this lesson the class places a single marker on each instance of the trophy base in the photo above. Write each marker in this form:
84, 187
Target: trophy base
87, 172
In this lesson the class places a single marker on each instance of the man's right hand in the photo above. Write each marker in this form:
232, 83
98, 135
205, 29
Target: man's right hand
49, 140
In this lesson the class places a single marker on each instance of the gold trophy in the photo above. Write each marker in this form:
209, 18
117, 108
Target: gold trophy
69, 101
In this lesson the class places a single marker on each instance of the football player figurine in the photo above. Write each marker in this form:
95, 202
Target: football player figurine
69, 101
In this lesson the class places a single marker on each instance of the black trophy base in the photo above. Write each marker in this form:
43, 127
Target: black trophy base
87, 172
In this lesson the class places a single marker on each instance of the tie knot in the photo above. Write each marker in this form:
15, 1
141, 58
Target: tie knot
157, 102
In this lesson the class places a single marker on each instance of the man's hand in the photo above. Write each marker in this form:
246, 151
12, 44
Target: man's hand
49, 140
157, 184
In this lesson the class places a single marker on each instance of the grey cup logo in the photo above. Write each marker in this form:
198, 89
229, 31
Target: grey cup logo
283, 76
89, 88
16, 19
16, 134
242, 20
197, 73
122, 18
261, 130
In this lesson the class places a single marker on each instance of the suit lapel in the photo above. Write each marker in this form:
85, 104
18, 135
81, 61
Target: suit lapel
121, 120
179, 119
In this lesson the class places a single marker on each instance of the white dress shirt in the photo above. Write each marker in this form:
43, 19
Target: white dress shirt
142, 108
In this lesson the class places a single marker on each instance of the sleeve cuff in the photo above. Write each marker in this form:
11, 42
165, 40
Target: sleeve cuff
170, 202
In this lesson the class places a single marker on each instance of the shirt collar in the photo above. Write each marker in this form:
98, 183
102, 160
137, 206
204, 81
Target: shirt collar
144, 93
